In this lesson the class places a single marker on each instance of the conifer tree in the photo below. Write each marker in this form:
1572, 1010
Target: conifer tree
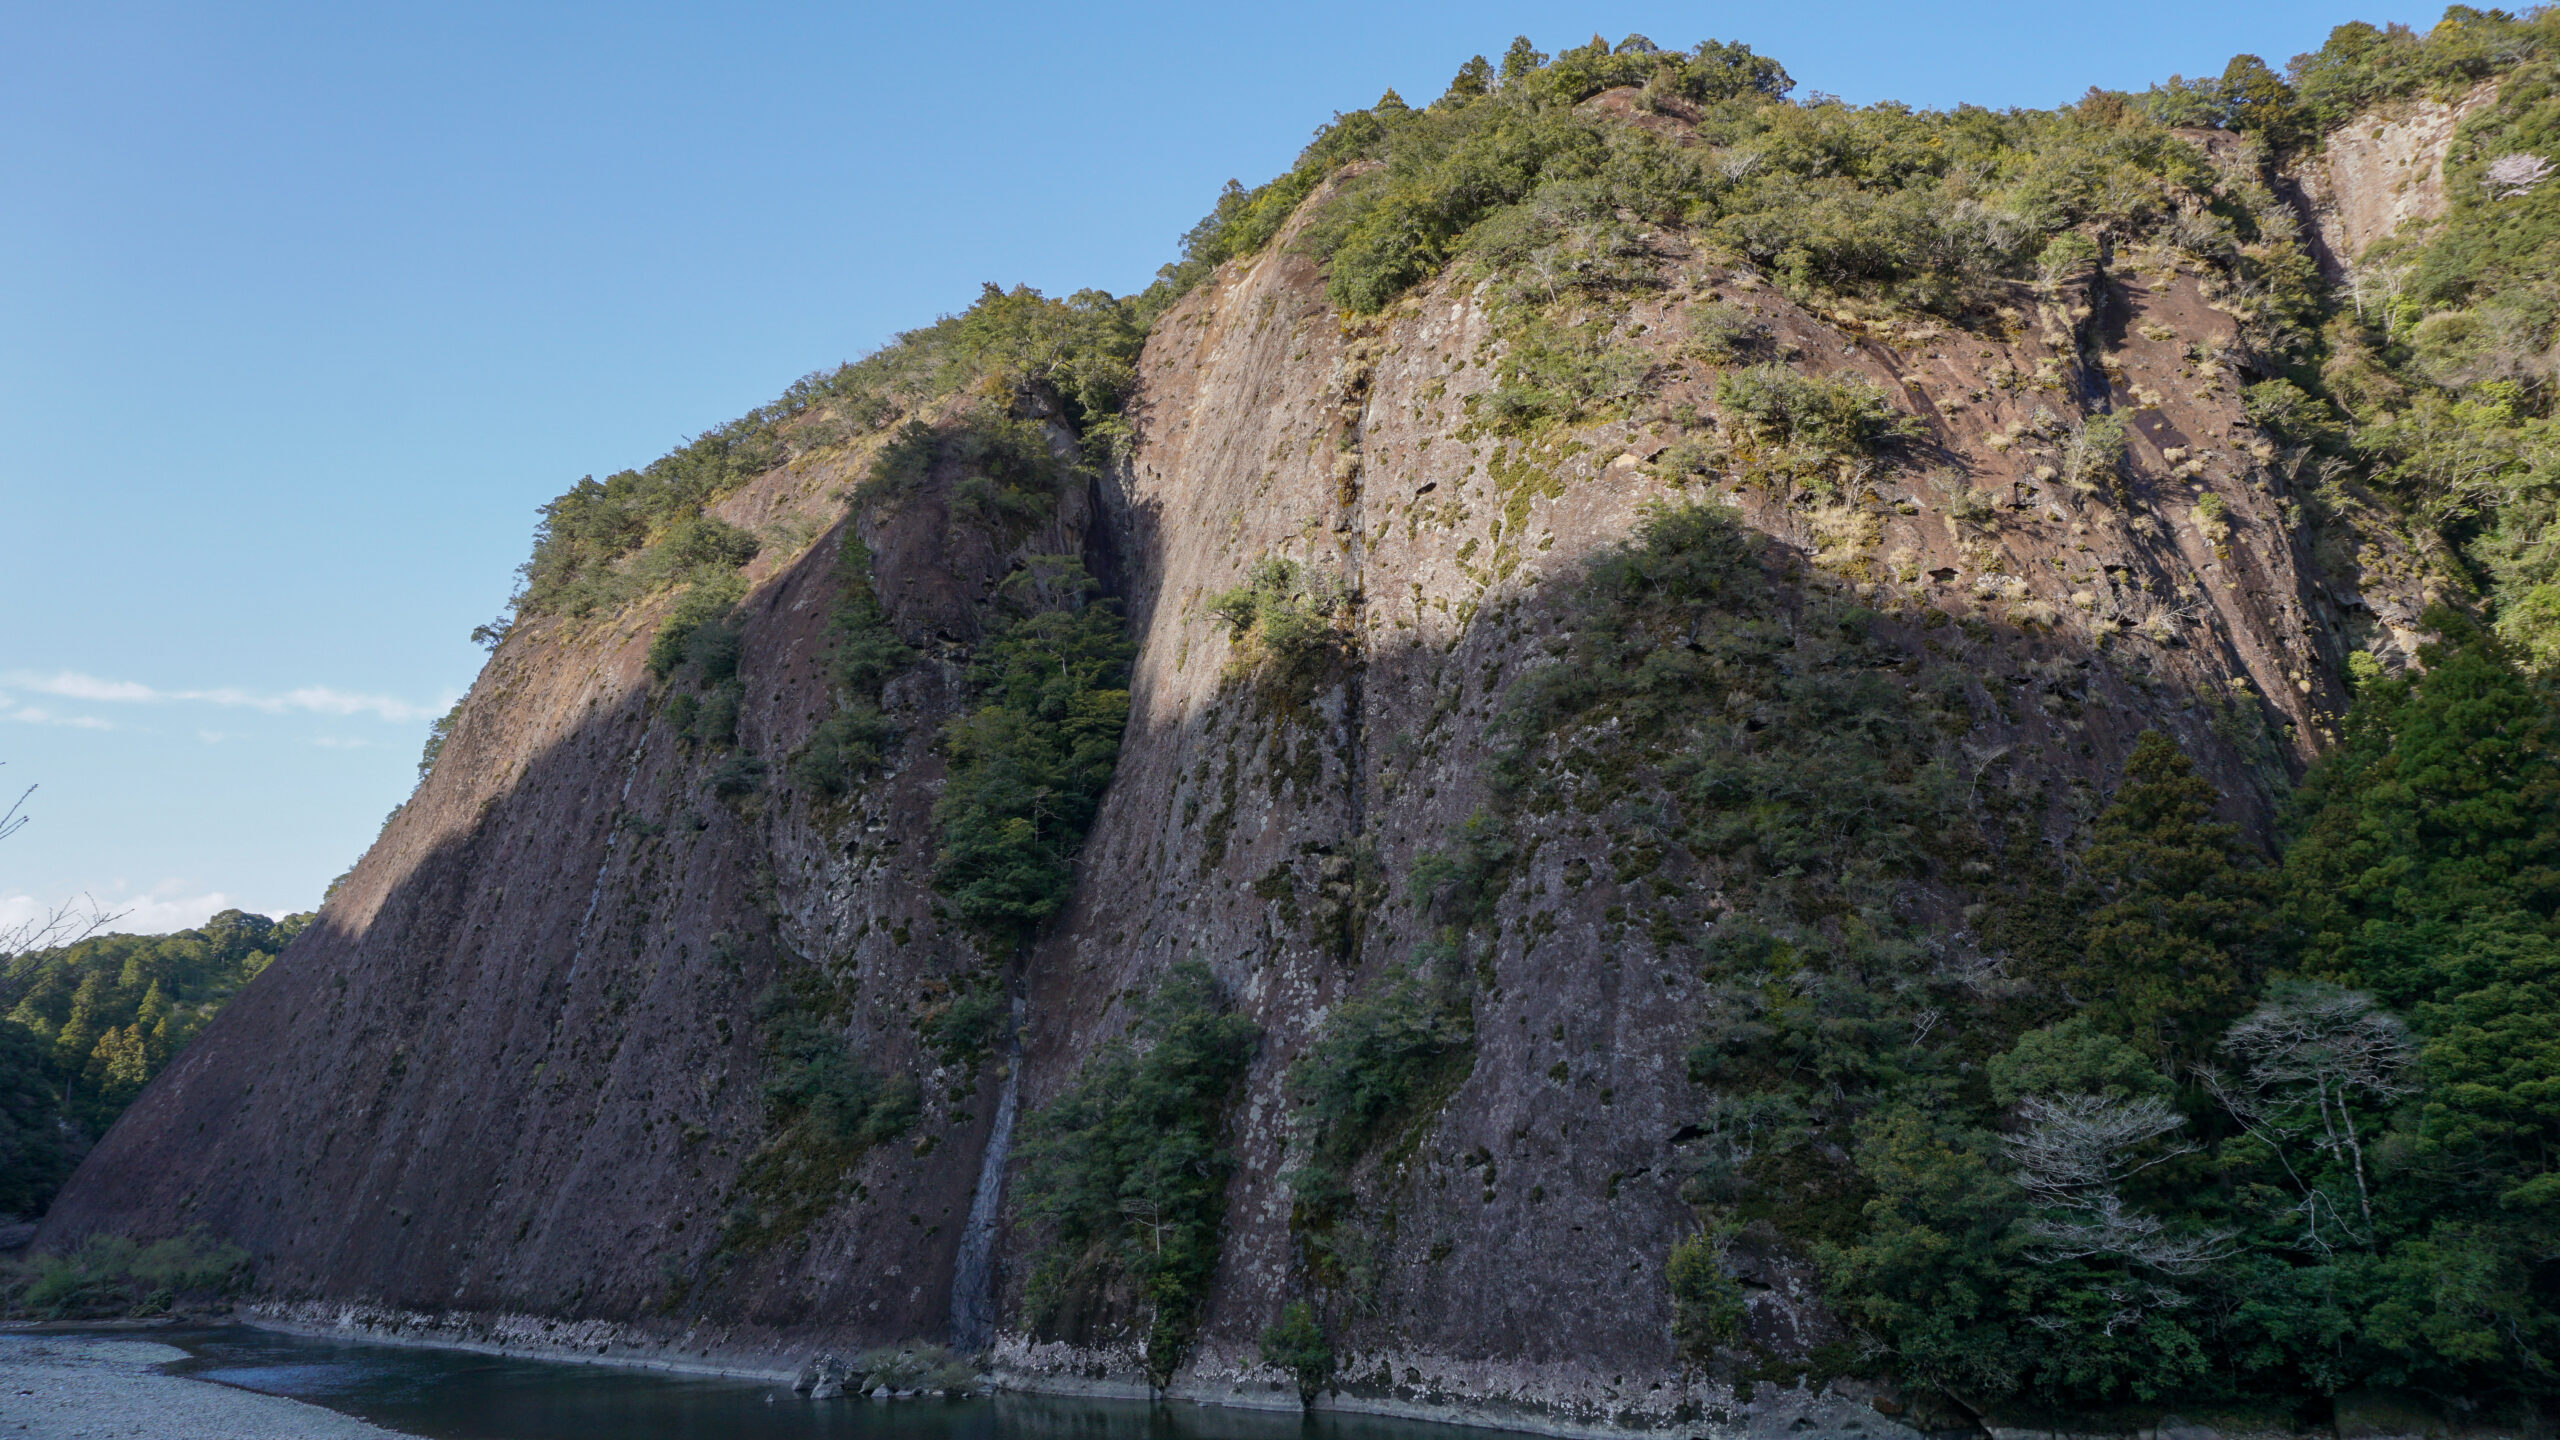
2181, 934
2429, 844
2427, 871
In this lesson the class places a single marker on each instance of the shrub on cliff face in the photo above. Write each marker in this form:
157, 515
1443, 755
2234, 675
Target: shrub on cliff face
1124, 1175
863, 652
1285, 625
697, 631
1706, 1303
1385, 1060
1029, 761
1295, 1343
1805, 428
824, 1108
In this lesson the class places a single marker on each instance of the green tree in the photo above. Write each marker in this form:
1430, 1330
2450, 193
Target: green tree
1125, 1173
2186, 919
1296, 1343
1029, 762
2425, 868
2427, 859
2259, 100
33, 1159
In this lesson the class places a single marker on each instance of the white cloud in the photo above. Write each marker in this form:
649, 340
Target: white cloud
157, 913
71, 685
38, 715
310, 699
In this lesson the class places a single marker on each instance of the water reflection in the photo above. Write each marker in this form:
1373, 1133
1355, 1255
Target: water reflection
458, 1395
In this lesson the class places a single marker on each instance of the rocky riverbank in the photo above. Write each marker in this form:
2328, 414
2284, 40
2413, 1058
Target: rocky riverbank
59, 1387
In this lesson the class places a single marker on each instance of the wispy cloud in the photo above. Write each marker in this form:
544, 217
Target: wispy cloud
157, 913
309, 699
38, 715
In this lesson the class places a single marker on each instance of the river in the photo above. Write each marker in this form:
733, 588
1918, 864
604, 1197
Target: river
466, 1395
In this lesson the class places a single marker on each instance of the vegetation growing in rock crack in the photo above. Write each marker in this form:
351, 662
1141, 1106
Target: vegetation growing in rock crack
1296, 1343
1371, 1082
1050, 691
863, 652
824, 1108
1285, 625
1124, 1175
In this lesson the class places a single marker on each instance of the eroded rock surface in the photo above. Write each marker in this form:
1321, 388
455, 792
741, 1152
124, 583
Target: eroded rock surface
511, 1072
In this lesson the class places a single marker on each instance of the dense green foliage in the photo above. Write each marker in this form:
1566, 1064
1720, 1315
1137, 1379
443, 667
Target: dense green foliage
1295, 1343
1050, 681
2196, 1123
863, 653
824, 1108
1918, 206
2293, 1190
109, 1276
35, 1156
1124, 1175
698, 646
1375, 1077
99, 1019
2182, 932
2360, 67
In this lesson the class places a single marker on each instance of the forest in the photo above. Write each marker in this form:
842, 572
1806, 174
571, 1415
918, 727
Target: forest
86, 1026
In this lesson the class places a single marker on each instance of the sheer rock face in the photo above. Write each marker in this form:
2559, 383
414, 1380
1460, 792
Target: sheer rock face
500, 1090
2381, 172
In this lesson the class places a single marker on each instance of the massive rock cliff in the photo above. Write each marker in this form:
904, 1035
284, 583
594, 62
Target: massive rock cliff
508, 1085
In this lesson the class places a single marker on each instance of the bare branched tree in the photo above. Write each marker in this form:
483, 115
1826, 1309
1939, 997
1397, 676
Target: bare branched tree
2307, 1058
2074, 1155
68, 923
14, 819
2515, 174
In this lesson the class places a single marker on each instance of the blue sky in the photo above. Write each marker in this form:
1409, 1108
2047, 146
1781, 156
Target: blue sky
303, 310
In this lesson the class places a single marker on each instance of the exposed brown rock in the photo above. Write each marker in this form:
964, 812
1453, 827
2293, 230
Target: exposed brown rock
511, 1070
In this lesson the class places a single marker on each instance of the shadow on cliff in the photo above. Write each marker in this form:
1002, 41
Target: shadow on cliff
512, 1067
1224, 839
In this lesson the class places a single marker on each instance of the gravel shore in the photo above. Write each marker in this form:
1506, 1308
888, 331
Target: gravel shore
57, 1387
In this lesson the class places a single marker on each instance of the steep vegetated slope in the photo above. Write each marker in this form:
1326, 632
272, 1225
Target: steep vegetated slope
89, 1024
1631, 756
